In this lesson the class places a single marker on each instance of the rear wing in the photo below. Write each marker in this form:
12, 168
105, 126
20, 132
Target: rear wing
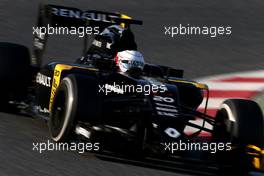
60, 16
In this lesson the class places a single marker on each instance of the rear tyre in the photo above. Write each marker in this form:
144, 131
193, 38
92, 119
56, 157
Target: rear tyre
75, 100
14, 72
241, 123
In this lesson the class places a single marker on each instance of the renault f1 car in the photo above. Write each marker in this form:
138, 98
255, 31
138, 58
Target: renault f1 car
81, 98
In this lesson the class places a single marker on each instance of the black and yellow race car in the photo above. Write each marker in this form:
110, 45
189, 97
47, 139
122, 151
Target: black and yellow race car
72, 98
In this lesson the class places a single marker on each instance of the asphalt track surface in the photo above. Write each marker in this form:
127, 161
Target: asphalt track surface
199, 56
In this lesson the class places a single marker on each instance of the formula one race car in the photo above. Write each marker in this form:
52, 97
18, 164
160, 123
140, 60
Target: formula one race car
145, 108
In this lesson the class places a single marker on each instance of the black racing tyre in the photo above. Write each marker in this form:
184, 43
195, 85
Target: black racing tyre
76, 100
14, 72
241, 123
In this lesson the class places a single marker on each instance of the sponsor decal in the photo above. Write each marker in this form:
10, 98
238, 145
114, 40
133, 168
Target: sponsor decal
38, 43
43, 80
97, 43
75, 13
165, 106
57, 79
42, 110
172, 132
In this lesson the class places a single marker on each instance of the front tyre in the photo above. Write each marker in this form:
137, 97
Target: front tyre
62, 118
241, 123
76, 100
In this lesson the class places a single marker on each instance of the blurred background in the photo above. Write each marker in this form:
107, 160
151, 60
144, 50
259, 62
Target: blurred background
197, 55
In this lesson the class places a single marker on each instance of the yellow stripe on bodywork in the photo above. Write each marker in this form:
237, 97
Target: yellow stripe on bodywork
253, 147
56, 81
256, 162
257, 154
57, 78
198, 85
123, 25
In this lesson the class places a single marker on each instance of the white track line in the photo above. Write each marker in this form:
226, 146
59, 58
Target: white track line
246, 74
234, 86
214, 103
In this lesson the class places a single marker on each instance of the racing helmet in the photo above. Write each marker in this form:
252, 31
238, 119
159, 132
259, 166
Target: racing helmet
112, 40
129, 60
113, 32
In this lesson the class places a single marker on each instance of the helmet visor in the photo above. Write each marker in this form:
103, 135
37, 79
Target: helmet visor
128, 64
